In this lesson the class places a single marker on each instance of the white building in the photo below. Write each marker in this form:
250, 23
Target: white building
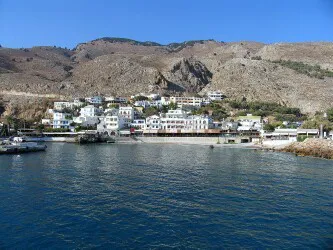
90, 111
139, 124
215, 95
86, 121
156, 103
47, 122
153, 122
62, 120
187, 101
165, 100
149, 96
114, 100
144, 104
111, 123
249, 122
70, 105
178, 119
94, 100
127, 112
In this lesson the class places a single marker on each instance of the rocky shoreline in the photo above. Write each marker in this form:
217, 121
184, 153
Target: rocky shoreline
311, 147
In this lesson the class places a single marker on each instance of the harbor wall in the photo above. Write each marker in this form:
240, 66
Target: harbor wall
277, 143
189, 140
51, 139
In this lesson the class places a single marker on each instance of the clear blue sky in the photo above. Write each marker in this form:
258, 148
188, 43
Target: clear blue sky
24, 23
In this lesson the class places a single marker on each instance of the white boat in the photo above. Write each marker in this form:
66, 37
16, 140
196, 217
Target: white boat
18, 145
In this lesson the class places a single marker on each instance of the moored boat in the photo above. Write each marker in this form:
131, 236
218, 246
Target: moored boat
18, 146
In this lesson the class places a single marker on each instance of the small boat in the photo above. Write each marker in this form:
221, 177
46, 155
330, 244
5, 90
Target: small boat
18, 145
211, 146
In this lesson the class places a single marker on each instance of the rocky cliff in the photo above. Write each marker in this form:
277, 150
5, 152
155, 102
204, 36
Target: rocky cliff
113, 66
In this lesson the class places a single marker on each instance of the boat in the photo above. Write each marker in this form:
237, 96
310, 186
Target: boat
211, 146
18, 145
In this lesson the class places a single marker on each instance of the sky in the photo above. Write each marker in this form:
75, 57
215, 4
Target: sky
65, 23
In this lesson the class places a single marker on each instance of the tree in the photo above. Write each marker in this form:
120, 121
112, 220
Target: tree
140, 98
150, 111
2, 107
40, 127
316, 122
164, 108
330, 114
269, 127
173, 105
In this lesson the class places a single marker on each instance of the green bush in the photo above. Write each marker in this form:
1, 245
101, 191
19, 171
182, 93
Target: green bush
269, 127
301, 138
329, 113
310, 70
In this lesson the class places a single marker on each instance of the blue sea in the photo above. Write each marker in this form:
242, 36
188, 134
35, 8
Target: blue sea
148, 196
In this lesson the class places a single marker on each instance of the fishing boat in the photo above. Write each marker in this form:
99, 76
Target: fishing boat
18, 145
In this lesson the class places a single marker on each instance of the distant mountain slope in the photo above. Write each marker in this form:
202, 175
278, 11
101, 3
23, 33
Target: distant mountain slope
121, 66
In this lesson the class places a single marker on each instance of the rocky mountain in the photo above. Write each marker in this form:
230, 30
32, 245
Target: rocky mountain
294, 74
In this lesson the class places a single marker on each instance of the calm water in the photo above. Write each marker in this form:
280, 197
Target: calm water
164, 196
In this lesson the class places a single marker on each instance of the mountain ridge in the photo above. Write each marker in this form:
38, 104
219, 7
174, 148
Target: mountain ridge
121, 66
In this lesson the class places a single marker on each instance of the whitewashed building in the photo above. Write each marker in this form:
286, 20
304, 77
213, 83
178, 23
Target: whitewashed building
114, 100
165, 100
153, 122
144, 104
94, 100
127, 112
111, 123
62, 120
187, 101
47, 122
249, 122
90, 111
178, 119
139, 124
215, 95
70, 105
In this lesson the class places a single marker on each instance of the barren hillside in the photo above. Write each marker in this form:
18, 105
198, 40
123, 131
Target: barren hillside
114, 66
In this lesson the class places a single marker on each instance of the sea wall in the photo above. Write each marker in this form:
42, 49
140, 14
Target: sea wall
189, 140
51, 139
311, 147
277, 143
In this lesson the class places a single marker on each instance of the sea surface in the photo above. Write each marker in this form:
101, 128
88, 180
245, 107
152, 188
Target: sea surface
164, 196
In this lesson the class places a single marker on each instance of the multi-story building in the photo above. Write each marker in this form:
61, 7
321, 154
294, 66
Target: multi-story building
113, 123
215, 95
165, 100
116, 100
187, 101
94, 100
127, 112
156, 103
138, 123
178, 119
70, 105
249, 122
62, 120
144, 104
90, 111
153, 122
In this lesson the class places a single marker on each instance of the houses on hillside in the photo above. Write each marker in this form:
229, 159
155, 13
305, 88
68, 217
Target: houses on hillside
112, 115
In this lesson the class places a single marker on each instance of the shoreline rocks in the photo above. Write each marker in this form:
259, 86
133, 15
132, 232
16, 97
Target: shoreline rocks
321, 148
